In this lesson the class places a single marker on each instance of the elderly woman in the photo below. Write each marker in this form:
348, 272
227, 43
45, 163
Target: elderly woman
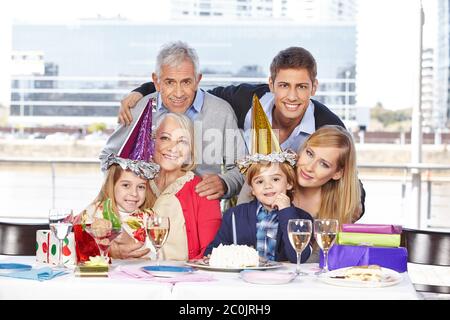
194, 220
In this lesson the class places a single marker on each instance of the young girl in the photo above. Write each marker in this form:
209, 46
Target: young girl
262, 223
328, 186
127, 188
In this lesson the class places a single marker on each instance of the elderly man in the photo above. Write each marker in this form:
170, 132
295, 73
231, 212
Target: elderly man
218, 141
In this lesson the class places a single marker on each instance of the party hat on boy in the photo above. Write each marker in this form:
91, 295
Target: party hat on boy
137, 151
265, 145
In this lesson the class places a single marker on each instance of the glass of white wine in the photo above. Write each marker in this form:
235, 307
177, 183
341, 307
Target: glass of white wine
325, 232
299, 232
60, 221
157, 231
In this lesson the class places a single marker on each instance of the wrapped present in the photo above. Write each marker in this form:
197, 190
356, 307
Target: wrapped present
368, 239
47, 248
341, 256
95, 267
85, 245
42, 241
372, 228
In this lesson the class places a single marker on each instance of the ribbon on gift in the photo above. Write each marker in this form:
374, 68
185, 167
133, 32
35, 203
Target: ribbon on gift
124, 272
372, 228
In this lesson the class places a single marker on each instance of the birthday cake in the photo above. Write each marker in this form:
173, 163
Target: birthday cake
233, 256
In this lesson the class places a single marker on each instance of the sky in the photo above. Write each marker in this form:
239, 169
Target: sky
388, 52
387, 30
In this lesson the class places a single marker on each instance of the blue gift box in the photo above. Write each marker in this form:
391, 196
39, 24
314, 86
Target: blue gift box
341, 256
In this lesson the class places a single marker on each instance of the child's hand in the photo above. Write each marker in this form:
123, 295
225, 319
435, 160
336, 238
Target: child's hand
281, 202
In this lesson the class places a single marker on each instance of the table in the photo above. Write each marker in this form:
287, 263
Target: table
230, 286
227, 286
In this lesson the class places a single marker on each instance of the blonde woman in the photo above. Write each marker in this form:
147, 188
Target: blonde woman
327, 182
328, 186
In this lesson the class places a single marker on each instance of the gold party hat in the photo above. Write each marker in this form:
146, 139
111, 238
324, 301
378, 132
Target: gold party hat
265, 145
264, 140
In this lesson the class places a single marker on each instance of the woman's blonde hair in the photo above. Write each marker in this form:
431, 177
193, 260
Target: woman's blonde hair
107, 191
286, 168
340, 199
185, 124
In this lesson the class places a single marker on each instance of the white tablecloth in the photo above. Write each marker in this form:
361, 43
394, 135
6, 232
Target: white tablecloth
230, 286
225, 287
71, 287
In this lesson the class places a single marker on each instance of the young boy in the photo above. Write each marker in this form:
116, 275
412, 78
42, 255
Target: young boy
262, 223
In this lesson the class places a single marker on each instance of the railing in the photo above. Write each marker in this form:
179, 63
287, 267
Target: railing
52, 99
432, 174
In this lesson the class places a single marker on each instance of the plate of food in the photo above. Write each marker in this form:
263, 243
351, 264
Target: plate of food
233, 258
13, 267
204, 264
269, 277
372, 276
167, 271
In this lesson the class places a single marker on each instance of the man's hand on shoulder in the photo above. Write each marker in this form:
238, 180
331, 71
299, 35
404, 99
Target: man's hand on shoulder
126, 104
212, 187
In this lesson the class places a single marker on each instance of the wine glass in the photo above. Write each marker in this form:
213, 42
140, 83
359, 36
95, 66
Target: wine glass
157, 230
60, 221
104, 233
299, 233
325, 232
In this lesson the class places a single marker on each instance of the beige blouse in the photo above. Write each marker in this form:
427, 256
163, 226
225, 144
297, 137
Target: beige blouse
167, 205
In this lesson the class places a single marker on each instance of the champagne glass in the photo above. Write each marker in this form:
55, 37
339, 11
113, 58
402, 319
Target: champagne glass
60, 221
104, 233
325, 232
157, 230
299, 233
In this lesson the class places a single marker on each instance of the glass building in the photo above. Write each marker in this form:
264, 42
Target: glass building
441, 114
124, 49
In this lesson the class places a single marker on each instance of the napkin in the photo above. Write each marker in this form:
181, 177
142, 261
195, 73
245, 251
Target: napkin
40, 274
137, 273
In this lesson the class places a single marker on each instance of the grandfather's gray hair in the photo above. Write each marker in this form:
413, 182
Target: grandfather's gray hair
174, 53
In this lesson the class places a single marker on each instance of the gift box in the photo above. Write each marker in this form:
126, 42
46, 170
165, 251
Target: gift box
341, 256
372, 228
42, 241
368, 239
47, 248
85, 244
